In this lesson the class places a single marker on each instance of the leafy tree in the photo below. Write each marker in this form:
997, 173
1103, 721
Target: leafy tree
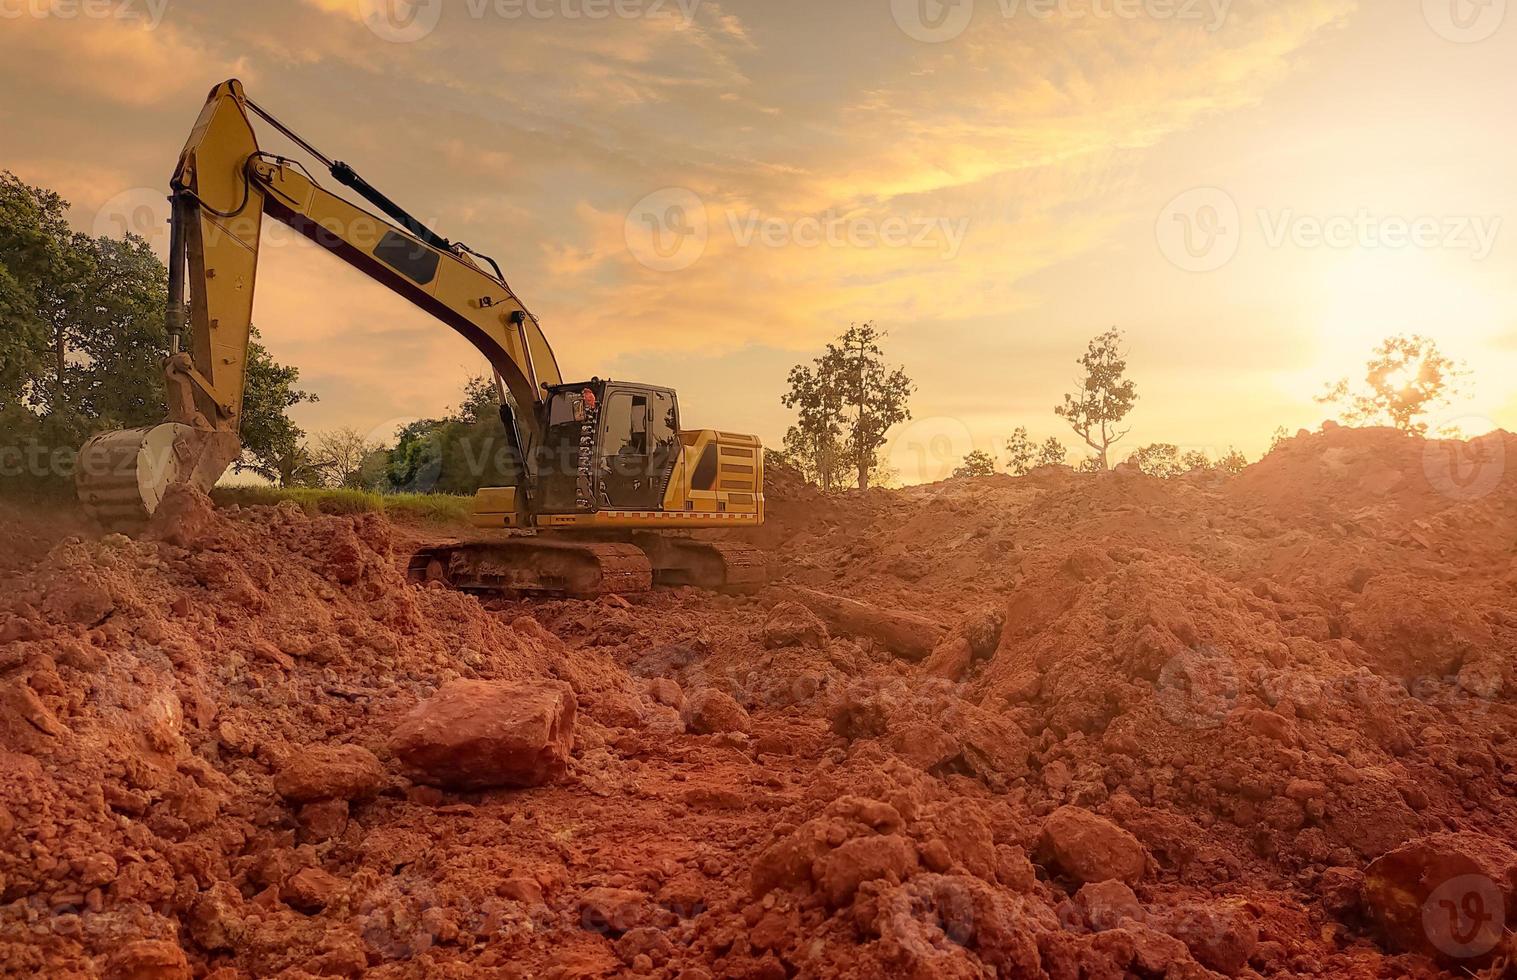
851, 396
342, 454
273, 446
82, 334
1105, 396
1407, 377
1020, 452
1160, 459
1195, 461
34, 237
1232, 464
481, 401
1052, 453
459, 453
977, 463
816, 453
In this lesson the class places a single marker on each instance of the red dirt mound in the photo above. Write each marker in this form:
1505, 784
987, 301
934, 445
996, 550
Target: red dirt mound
1262, 726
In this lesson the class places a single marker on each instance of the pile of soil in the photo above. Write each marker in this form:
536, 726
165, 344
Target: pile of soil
1173, 728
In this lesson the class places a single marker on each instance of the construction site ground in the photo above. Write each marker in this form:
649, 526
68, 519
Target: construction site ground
1081, 726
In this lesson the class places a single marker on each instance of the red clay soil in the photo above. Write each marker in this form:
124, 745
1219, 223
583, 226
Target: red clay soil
1183, 728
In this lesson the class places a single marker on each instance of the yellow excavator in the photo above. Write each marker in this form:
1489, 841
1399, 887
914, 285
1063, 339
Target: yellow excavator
609, 485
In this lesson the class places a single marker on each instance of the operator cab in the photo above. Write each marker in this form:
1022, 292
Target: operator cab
607, 445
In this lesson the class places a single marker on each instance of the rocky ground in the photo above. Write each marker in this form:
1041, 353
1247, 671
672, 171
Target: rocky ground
1081, 727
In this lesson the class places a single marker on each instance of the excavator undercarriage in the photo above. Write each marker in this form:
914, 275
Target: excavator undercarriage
564, 566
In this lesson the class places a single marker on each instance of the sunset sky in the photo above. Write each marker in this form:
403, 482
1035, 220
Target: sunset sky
700, 194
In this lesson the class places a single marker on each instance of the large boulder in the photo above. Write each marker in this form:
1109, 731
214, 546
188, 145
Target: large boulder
1448, 896
1090, 848
330, 772
482, 734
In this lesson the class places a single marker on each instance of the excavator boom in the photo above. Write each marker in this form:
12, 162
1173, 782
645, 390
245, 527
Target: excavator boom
614, 474
222, 189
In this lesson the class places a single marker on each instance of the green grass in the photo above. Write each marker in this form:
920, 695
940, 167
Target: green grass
431, 507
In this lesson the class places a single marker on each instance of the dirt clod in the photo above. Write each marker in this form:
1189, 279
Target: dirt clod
479, 734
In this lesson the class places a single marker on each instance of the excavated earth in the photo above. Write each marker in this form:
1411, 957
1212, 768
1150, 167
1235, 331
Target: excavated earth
1257, 726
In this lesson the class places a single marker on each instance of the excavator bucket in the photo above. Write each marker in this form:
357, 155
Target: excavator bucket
122, 476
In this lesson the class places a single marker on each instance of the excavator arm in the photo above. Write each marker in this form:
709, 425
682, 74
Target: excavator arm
223, 187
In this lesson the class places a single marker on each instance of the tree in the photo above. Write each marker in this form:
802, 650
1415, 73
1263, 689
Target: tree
815, 453
34, 237
1160, 459
481, 401
977, 463
341, 455
851, 399
1020, 452
1406, 378
82, 337
1232, 464
1195, 461
1052, 453
456, 454
273, 446
1104, 399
